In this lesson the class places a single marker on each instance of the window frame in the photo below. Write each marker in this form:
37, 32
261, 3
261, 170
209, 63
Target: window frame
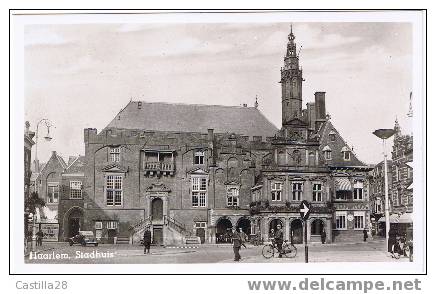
53, 185
232, 196
317, 194
98, 225
341, 214
298, 192
276, 193
328, 155
76, 190
360, 214
115, 154
114, 190
199, 191
199, 154
112, 225
347, 155
357, 190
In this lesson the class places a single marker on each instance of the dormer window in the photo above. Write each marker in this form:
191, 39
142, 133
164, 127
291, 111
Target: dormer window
346, 153
332, 136
115, 154
199, 157
327, 153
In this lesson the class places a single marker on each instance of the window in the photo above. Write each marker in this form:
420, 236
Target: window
75, 190
112, 225
359, 220
297, 191
332, 136
358, 190
397, 173
233, 196
341, 221
198, 191
317, 192
328, 155
114, 190
98, 225
115, 154
276, 191
343, 195
199, 157
200, 225
347, 155
53, 193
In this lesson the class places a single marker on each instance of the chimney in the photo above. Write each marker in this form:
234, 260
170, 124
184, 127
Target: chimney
319, 109
320, 105
311, 115
139, 104
244, 105
53, 153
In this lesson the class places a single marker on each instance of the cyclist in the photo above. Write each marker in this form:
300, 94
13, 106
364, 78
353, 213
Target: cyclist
278, 239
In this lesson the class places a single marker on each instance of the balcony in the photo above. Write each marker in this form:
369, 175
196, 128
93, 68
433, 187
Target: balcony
158, 168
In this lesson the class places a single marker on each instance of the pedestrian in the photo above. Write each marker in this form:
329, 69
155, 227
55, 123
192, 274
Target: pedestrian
237, 243
39, 237
365, 235
147, 240
278, 239
323, 236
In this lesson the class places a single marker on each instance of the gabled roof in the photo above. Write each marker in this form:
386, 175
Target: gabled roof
338, 146
141, 115
76, 163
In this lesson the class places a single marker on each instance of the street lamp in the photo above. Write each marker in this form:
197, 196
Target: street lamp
47, 137
385, 134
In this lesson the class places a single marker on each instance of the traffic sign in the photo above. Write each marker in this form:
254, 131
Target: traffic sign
304, 210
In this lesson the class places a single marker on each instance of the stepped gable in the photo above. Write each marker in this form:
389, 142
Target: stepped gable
158, 116
337, 146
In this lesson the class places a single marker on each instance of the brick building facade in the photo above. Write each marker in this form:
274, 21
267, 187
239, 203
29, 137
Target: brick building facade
194, 171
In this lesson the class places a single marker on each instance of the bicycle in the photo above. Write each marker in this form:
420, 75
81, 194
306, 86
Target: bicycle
288, 250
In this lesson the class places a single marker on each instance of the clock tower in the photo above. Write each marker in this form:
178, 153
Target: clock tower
291, 80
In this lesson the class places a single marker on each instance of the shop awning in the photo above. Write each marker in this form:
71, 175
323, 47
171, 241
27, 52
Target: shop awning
406, 218
343, 184
393, 219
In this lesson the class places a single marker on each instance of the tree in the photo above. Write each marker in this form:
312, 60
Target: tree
31, 203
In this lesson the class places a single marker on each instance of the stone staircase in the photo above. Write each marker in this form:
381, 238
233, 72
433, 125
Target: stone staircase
137, 230
177, 233
122, 240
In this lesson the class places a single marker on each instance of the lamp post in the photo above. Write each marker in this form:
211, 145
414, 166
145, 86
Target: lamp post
385, 134
48, 138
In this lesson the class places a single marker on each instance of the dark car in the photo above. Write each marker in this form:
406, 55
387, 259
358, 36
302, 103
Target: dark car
83, 238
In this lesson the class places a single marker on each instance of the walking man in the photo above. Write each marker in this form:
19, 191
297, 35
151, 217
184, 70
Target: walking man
278, 239
237, 243
323, 236
147, 240
365, 235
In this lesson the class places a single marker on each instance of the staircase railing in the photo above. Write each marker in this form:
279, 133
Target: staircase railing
140, 225
176, 225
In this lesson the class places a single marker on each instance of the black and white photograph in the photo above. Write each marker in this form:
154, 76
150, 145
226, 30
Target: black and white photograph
219, 142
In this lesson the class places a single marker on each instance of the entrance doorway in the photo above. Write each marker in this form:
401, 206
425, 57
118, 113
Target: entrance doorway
224, 231
316, 227
72, 222
244, 224
157, 236
157, 209
297, 231
74, 226
200, 232
273, 227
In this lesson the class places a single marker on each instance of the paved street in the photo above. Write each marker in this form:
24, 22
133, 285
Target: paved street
130, 254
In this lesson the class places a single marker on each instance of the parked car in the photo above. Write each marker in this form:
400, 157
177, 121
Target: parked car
83, 238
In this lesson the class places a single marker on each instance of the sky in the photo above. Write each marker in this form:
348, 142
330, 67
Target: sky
81, 75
